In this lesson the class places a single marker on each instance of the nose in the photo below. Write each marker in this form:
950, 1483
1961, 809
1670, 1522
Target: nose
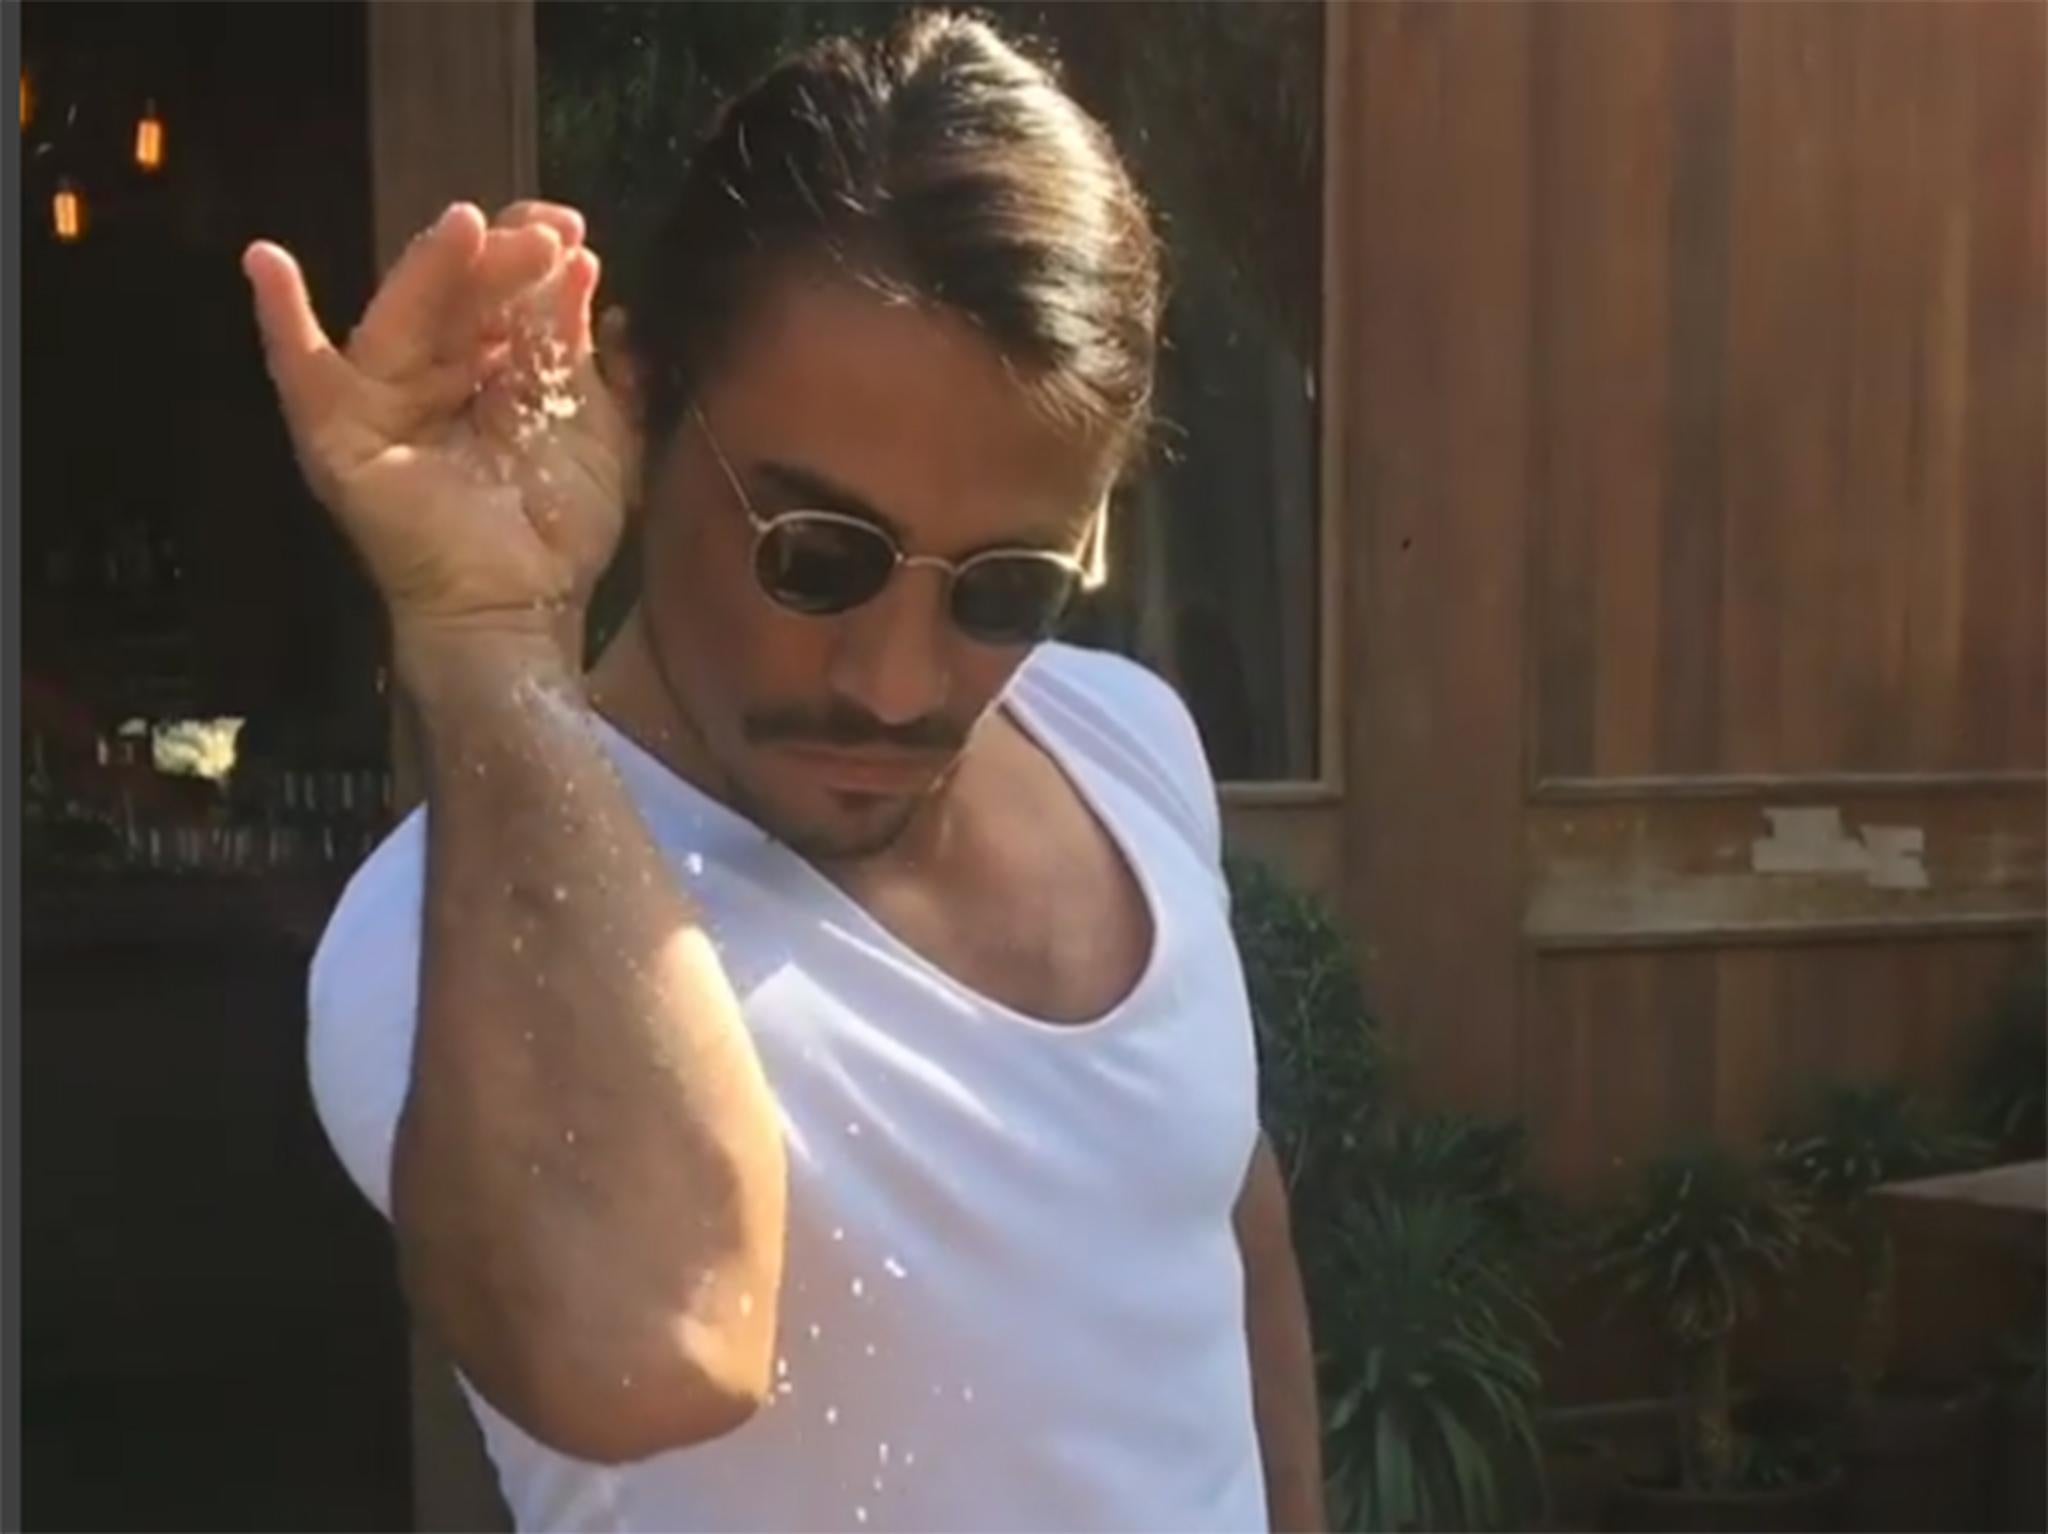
891, 658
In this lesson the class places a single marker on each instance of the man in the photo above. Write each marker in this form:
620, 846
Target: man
804, 1059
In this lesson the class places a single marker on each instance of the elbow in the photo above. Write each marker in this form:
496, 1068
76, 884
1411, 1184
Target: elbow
678, 1402
609, 1395
625, 1431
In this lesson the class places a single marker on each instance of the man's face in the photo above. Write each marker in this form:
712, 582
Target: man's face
830, 731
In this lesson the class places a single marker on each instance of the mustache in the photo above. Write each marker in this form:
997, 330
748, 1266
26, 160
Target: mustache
843, 724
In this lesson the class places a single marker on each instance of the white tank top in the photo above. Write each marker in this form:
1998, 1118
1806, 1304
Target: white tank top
1012, 1297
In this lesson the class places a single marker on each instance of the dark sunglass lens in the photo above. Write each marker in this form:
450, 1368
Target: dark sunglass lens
1005, 600
822, 565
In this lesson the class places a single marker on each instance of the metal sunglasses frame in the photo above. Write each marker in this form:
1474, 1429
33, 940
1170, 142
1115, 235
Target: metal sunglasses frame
1089, 568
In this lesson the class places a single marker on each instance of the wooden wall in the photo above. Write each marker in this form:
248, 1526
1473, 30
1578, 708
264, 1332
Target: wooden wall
1695, 466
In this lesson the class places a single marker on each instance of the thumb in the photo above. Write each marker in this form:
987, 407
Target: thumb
303, 363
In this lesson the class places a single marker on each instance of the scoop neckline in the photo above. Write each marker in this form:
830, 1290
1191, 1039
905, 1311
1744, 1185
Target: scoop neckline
858, 918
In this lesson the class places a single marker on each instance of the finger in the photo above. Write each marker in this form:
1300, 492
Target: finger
303, 363
511, 262
576, 288
600, 447
399, 330
567, 223
596, 397
550, 332
533, 385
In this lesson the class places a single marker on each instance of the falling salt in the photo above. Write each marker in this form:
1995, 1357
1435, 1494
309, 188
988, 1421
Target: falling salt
861, 1513
894, 1268
533, 1170
882, 1452
878, 1483
831, 1415
966, 1392
694, 862
568, 1137
871, 1350
784, 1388
782, 1368
518, 943
747, 1303
853, 1129
626, 1380
817, 1331
857, 1287
561, 893
909, 1458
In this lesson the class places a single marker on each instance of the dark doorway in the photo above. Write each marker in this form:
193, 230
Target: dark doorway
211, 1332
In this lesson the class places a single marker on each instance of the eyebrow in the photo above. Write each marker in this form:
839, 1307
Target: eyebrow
813, 492
816, 493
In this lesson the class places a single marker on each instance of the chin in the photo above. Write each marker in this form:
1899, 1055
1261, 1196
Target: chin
833, 825
865, 827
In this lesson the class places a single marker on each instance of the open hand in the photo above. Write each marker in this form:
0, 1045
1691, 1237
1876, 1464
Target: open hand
462, 438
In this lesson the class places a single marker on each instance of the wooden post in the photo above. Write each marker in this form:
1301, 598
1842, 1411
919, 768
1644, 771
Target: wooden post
452, 117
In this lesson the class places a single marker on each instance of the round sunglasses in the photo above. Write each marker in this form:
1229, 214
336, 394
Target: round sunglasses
820, 563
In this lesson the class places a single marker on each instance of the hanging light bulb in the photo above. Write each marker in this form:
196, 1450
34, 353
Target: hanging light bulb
68, 212
149, 139
28, 101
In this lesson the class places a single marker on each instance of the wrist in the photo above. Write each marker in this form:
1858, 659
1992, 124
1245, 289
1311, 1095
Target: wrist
447, 659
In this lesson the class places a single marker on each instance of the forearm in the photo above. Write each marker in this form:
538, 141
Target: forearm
589, 1183
1282, 1354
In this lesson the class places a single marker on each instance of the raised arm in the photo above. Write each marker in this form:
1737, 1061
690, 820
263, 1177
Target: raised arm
588, 1179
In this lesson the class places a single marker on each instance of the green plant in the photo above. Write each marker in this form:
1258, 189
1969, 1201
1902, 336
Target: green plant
1478, 1161
1323, 1067
1703, 1232
1856, 1138
2008, 1091
1431, 1379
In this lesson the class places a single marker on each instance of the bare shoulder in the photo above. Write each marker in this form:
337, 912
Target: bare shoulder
1132, 719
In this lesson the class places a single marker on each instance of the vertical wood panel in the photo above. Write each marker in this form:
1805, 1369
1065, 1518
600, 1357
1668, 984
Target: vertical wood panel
2003, 654
1689, 576
1937, 439
1634, 401
452, 116
1886, 230
1438, 468
1560, 530
1600, 135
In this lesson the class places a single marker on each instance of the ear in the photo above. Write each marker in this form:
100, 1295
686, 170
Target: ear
616, 366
